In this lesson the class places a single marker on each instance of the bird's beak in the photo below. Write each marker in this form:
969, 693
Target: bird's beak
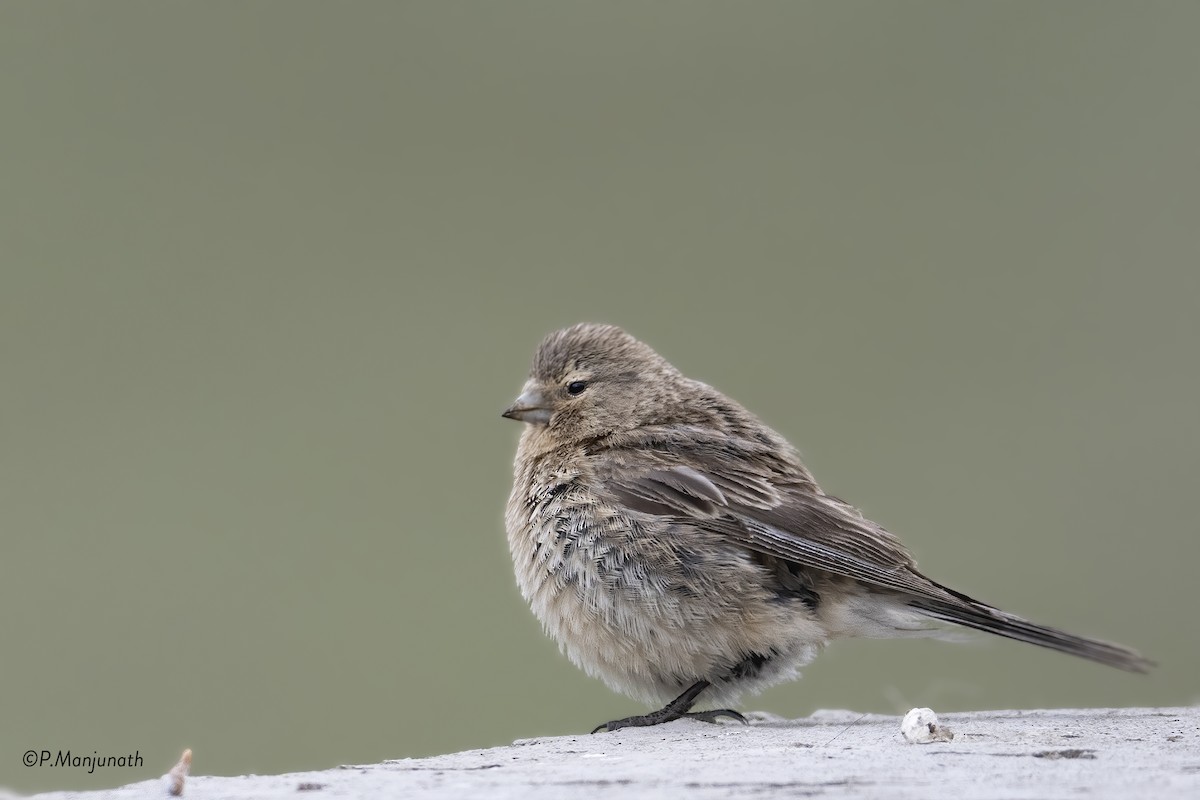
530, 407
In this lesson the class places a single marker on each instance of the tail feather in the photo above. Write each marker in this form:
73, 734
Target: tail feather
963, 610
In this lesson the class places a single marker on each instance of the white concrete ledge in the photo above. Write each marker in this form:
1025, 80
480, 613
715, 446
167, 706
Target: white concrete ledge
1117, 753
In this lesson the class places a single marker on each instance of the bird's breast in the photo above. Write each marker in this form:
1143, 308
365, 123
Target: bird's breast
647, 604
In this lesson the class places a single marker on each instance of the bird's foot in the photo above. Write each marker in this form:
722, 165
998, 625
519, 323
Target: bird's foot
676, 709
669, 715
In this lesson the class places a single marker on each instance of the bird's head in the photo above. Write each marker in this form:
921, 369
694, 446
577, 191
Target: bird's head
593, 380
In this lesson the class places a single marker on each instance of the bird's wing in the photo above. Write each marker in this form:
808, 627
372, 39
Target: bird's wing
782, 513
795, 523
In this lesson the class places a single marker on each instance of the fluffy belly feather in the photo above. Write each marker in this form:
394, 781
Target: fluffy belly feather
651, 608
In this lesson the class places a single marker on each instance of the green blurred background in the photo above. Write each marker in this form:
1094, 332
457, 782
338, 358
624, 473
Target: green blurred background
270, 271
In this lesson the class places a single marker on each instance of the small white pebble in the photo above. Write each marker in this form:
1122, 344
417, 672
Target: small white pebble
920, 726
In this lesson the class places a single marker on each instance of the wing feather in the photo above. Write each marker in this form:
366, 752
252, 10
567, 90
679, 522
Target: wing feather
783, 513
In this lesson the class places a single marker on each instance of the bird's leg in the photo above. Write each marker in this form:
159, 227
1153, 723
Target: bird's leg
676, 709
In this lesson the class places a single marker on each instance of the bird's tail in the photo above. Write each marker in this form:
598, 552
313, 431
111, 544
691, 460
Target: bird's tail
963, 610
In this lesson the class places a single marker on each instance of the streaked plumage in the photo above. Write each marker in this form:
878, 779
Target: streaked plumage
667, 538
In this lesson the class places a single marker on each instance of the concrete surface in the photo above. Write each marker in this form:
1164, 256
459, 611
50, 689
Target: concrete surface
1098, 753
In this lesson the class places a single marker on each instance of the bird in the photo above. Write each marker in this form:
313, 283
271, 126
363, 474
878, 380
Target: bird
677, 548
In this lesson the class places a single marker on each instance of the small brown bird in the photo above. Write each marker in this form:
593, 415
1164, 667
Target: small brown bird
674, 545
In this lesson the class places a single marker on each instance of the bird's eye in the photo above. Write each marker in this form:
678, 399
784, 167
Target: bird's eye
576, 387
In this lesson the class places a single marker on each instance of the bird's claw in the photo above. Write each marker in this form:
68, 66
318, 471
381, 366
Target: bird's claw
659, 717
715, 714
